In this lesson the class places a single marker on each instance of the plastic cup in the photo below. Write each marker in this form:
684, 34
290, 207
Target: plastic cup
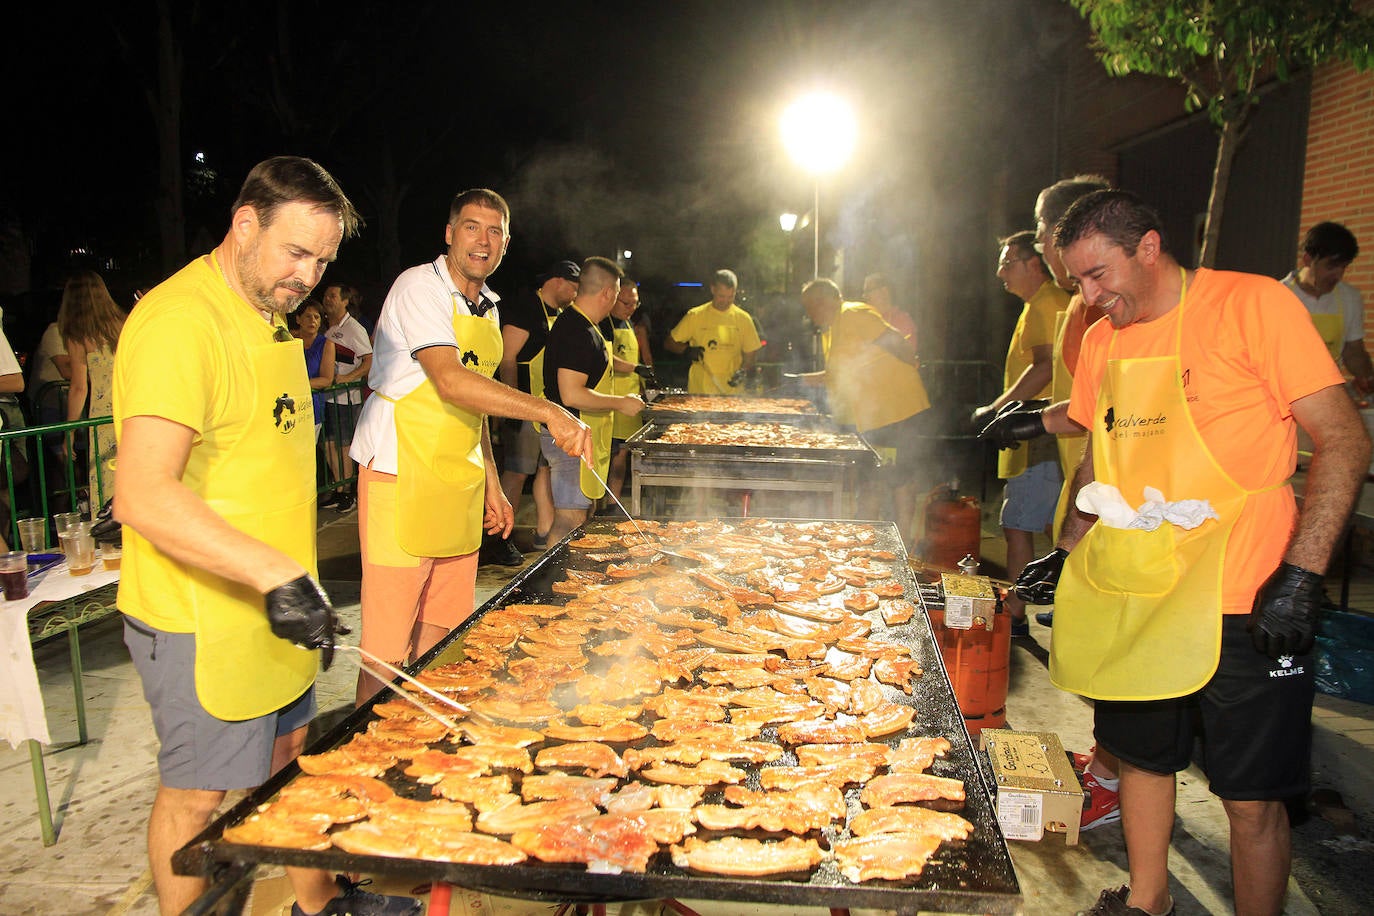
14, 574
79, 547
110, 555
33, 534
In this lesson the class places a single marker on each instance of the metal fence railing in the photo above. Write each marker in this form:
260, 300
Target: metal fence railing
47, 468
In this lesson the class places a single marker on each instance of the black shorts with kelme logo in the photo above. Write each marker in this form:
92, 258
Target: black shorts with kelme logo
1253, 718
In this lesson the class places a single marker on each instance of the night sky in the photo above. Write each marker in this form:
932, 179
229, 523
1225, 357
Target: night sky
649, 126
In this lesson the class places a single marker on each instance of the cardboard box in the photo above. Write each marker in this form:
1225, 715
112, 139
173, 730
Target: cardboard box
969, 601
1038, 791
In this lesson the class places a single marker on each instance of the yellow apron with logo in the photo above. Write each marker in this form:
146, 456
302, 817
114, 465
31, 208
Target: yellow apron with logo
601, 423
1138, 613
440, 474
242, 670
1070, 444
626, 346
712, 373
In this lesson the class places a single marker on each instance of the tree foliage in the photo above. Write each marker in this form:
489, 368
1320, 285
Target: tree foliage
1221, 50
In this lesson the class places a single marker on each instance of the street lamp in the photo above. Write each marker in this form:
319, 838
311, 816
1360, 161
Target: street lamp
819, 131
788, 222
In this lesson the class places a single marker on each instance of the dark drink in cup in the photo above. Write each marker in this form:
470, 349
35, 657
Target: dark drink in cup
16, 583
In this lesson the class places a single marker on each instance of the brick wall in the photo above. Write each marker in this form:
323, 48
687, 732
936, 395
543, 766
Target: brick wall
1338, 181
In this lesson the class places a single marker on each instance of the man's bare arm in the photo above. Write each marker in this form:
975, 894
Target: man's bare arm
151, 499
1340, 461
512, 339
1076, 521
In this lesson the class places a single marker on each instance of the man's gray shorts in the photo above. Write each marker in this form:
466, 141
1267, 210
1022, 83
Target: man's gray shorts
565, 475
199, 751
522, 454
1031, 497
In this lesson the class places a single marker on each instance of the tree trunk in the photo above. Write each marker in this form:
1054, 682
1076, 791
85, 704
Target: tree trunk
1221, 179
166, 104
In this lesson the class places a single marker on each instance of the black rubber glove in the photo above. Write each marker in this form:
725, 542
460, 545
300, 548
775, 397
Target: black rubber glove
299, 612
1040, 578
647, 373
1016, 422
1284, 618
981, 417
694, 353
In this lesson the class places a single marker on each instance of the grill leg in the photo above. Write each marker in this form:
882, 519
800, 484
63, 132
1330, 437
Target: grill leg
678, 906
440, 893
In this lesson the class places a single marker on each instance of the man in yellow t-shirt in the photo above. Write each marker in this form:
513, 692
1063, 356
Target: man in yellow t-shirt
719, 339
870, 375
216, 491
1032, 473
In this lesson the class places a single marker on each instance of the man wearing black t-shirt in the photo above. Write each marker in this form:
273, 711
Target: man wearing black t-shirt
524, 330
577, 361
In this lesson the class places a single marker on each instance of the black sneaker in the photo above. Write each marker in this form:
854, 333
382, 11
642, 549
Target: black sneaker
344, 502
1113, 903
499, 552
352, 901
328, 499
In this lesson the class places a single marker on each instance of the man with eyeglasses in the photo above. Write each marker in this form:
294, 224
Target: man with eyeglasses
428, 485
1032, 473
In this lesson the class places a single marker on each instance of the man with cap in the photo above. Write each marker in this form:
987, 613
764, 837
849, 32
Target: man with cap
216, 491
578, 362
524, 329
718, 338
428, 486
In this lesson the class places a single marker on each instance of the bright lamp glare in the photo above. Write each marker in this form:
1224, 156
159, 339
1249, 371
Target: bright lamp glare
819, 132
788, 221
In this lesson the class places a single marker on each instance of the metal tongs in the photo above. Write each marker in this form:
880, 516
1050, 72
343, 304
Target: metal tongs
678, 559
376, 667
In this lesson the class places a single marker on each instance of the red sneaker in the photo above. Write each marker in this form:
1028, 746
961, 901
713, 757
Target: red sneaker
1100, 805
1080, 761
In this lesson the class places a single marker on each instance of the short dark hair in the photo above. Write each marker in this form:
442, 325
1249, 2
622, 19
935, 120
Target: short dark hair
1331, 241
1054, 200
1119, 216
597, 274
1022, 242
482, 197
347, 293
295, 179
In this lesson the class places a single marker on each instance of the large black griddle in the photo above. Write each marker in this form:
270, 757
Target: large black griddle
855, 450
975, 876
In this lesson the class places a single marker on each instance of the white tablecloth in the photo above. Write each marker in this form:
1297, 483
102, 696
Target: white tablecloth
21, 702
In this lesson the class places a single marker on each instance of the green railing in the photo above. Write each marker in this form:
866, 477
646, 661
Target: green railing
43, 474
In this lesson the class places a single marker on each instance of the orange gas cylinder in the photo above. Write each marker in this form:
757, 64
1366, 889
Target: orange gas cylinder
953, 527
977, 662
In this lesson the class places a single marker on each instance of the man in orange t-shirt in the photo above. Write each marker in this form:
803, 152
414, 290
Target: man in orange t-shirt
1196, 384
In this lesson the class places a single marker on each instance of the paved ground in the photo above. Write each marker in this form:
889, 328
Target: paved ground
102, 792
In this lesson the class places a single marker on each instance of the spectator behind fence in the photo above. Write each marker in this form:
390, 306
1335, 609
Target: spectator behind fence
89, 322
319, 355
352, 362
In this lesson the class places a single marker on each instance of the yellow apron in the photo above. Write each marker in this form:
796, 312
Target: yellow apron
1138, 613
1070, 444
242, 669
536, 363
1332, 331
440, 474
626, 346
601, 423
711, 374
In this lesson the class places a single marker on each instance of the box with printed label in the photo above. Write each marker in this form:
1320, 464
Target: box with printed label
1038, 791
969, 601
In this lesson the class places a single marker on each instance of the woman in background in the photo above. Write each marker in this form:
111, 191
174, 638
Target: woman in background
90, 323
319, 354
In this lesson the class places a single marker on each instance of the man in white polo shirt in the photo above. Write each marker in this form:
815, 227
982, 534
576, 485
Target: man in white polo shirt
428, 486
